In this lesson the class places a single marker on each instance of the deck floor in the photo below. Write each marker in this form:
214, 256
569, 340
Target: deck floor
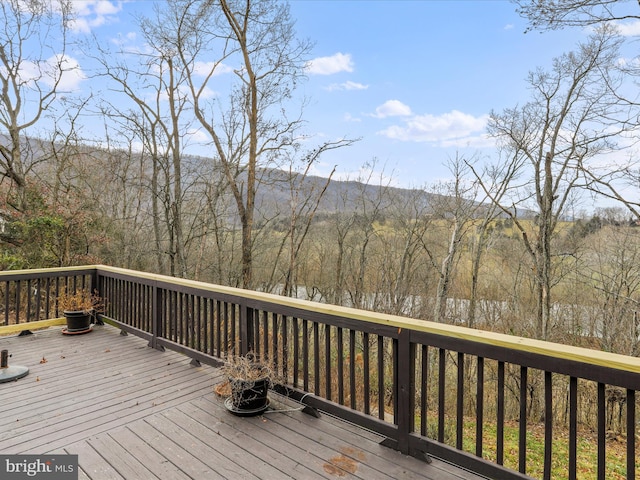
135, 413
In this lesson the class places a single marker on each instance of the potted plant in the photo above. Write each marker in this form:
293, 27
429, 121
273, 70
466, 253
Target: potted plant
79, 307
246, 386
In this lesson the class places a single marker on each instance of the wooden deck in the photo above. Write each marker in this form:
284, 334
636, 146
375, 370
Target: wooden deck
132, 412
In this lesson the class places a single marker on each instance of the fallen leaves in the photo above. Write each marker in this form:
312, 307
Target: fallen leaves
341, 465
44, 360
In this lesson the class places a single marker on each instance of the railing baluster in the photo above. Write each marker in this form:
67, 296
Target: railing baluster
500, 416
296, 350
522, 427
602, 431
7, 287
316, 358
28, 306
135, 305
265, 335
548, 424
305, 355
441, 392
38, 299
235, 349
573, 428
128, 303
395, 366
274, 341
366, 376
198, 323
179, 318
352, 368
207, 326
57, 294
479, 406
460, 402
340, 366
424, 377
218, 327
253, 330
225, 329
17, 301
47, 303
187, 315
285, 348
381, 392
327, 361
631, 434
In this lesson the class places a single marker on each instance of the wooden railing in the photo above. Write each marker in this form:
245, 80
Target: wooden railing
429, 389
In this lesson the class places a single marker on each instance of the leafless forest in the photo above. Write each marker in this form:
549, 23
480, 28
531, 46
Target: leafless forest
503, 245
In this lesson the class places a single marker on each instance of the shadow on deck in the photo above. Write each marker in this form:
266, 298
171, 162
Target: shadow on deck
132, 412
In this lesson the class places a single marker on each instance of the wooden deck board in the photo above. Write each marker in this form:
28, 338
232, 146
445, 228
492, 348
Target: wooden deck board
131, 412
114, 453
317, 448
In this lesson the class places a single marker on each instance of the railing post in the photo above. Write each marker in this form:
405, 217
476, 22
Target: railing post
94, 286
246, 329
156, 317
405, 389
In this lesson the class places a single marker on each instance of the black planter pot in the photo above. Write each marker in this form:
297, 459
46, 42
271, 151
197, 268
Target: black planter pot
248, 397
78, 322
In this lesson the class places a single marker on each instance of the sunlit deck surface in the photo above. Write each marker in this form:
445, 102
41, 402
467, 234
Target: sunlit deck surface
130, 411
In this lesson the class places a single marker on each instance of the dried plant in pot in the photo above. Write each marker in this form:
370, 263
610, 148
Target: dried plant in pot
246, 386
79, 307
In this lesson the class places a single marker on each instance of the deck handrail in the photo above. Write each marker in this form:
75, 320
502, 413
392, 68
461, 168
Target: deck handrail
387, 373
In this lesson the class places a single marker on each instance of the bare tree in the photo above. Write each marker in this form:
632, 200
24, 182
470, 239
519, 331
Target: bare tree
406, 277
556, 14
454, 204
33, 59
154, 81
370, 202
612, 272
253, 128
552, 15
487, 212
548, 143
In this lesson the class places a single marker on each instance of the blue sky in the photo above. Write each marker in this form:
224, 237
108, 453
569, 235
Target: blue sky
415, 80
422, 78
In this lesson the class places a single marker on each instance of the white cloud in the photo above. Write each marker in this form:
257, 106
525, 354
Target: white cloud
207, 93
449, 128
392, 108
93, 13
509, 26
104, 7
72, 74
65, 67
204, 68
198, 136
340, 62
629, 29
346, 86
